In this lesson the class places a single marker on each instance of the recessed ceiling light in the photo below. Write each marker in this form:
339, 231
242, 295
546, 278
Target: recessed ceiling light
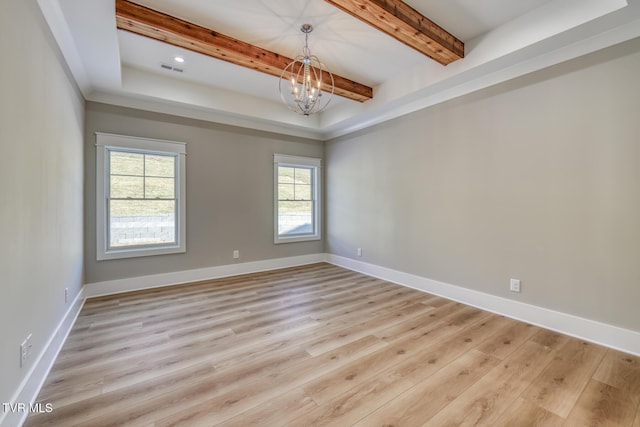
179, 59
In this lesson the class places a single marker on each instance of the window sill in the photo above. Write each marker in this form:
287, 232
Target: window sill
139, 252
294, 239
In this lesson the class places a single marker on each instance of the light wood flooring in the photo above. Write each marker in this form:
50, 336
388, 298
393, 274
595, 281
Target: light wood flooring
321, 345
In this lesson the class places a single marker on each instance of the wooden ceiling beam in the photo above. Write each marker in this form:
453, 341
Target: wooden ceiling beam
168, 29
402, 22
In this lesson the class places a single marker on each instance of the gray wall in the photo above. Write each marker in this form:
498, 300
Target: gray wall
41, 121
537, 179
229, 191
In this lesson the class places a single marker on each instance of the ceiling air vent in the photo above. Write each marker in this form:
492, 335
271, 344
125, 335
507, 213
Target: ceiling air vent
172, 68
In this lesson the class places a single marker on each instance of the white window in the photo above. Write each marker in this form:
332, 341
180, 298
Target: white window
297, 198
140, 197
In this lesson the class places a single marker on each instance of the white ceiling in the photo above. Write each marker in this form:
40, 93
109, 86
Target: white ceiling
503, 39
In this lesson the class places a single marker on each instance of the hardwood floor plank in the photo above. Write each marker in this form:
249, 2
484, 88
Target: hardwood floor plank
353, 332
366, 392
265, 411
337, 382
404, 359
248, 364
602, 405
466, 316
622, 371
321, 345
350, 375
419, 325
357, 402
559, 385
549, 339
110, 404
419, 403
502, 345
524, 413
485, 401
68, 392
275, 412
239, 398
438, 353
156, 358
88, 352
129, 353
234, 388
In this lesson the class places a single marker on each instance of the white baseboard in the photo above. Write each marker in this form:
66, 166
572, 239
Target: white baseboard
611, 336
30, 387
178, 277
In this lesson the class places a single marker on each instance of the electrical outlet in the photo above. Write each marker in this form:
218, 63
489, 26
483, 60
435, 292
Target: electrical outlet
236, 254
514, 285
359, 252
25, 350
66, 295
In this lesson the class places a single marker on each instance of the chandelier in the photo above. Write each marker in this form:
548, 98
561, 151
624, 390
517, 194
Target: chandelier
304, 80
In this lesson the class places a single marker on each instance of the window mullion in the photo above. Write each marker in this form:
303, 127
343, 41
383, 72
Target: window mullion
144, 176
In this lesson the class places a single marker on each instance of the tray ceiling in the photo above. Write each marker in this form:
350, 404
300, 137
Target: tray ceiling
503, 39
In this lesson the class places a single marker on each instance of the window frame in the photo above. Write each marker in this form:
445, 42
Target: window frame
106, 142
315, 165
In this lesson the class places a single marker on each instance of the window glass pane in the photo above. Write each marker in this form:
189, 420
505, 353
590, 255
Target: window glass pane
158, 165
141, 222
142, 207
127, 186
295, 218
163, 188
286, 174
286, 192
303, 192
303, 176
126, 163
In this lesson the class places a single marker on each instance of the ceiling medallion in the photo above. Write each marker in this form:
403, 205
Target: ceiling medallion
305, 80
